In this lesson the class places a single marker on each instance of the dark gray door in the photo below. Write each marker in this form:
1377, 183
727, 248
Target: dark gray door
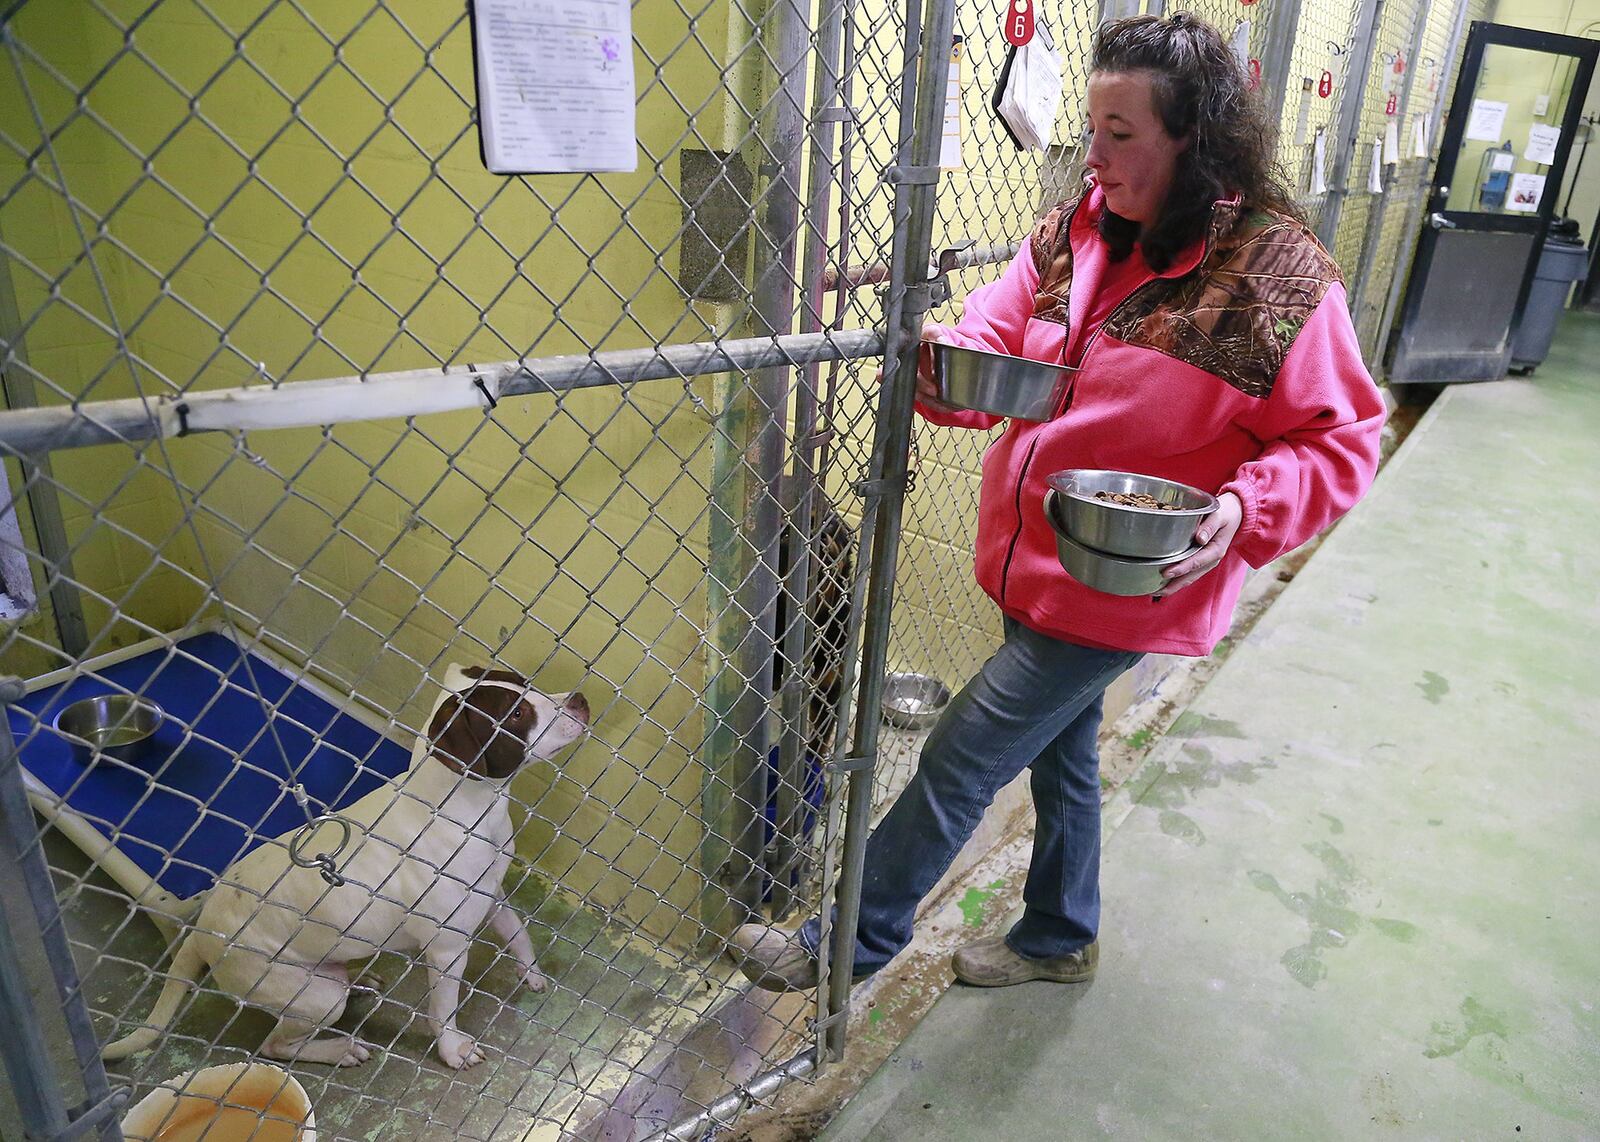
1501, 163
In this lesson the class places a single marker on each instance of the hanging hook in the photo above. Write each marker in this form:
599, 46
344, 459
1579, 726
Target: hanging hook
323, 862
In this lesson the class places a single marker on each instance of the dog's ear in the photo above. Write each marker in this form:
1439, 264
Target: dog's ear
484, 732
450, 734
482, 674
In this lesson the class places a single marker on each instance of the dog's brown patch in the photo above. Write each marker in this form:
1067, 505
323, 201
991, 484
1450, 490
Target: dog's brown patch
487, 674
484, 732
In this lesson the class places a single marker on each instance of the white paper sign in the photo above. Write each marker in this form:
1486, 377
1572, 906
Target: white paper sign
1502, 161
1419, 137
1301, 115
555, 85
1542, 143
1391, 142
1319, 168
1241, 44
1375, 177
950, 145
1487, 120
1031, 100
1526, 191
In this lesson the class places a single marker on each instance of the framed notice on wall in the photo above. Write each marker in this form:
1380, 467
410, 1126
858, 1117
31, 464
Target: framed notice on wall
555, 85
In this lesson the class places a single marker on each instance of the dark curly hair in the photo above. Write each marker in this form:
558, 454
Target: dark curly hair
1200, 91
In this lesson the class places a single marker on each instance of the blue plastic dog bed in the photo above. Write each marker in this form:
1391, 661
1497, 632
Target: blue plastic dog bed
215, 782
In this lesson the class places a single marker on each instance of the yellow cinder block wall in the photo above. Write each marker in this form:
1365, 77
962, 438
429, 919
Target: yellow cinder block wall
305, 219
123, 523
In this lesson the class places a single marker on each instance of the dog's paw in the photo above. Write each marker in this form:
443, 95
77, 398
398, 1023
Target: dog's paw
356, 1054
533, 979
459, 1052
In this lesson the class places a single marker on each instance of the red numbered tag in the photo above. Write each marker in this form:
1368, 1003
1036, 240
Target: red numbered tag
1019, 22
1399, 65
1255, 71
1392, 105
1325, 84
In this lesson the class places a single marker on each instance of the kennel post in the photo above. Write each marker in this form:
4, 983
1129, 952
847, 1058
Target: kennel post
916, 178
35, 1083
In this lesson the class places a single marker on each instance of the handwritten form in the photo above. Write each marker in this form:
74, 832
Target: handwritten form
555, 85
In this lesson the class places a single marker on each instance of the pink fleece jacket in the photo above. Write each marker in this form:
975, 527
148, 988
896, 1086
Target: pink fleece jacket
1235, 370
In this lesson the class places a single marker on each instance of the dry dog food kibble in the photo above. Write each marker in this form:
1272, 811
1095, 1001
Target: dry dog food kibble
1135, 500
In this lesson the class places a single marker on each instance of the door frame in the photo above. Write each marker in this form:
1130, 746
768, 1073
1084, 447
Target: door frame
1480, 35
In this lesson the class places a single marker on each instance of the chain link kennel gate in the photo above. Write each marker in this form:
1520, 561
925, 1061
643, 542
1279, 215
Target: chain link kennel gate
260, 482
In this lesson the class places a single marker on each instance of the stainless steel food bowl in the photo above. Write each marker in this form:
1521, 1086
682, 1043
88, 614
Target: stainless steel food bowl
913, 701
1121, 529
1113, 574
112, 725
993, 382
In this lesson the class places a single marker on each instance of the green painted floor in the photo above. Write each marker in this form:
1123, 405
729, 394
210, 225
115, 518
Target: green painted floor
1356, 893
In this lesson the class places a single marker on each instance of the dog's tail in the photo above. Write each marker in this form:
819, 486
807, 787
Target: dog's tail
187, 967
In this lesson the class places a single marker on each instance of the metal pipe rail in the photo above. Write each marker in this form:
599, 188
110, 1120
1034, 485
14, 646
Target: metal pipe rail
415, 392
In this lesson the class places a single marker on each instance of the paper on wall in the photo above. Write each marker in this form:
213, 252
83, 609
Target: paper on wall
1240, 43
950, 144
1502, 161
1319, 169
1542, 144
1303, 113
1526, 191
1391, 142
555, 85
1032, 98
1419, 136
1487, 120
1375, 177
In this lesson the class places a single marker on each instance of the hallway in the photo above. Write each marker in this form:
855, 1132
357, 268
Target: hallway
1353, 893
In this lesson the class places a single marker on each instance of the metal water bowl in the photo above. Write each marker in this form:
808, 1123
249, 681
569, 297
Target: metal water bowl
913, 701
111, 725
1112, 574
999, 384
1123, 529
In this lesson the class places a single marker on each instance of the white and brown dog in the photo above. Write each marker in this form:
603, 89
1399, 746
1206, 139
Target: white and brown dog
423, 872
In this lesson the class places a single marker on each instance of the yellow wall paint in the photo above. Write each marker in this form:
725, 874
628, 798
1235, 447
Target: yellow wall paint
291, 227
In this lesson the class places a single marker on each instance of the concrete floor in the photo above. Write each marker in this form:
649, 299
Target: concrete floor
1354, 892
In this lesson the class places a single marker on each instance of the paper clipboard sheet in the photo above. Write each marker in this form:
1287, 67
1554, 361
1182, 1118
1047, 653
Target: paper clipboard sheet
1029, 98
555, 85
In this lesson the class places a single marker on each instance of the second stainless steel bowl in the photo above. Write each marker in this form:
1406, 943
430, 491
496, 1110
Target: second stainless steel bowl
913, 701
1113, 574
995, 383
1122, 529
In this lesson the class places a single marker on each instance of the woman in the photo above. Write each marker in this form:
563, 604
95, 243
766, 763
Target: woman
1215, 349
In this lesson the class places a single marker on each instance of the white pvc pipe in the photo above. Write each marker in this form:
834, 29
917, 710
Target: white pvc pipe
416, 392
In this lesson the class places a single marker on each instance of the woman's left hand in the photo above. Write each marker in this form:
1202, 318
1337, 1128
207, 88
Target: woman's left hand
1216, 531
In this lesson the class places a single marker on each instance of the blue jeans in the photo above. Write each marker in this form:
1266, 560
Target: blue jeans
1036, 703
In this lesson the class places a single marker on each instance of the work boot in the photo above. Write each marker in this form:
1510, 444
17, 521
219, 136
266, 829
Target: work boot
773, 959
992, 963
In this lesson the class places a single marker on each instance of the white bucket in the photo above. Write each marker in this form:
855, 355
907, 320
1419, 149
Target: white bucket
239, 1102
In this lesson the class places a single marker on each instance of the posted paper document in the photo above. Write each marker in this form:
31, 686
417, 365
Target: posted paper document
1487, 120
555, 85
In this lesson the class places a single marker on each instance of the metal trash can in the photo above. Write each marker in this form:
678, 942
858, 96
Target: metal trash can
1563, 260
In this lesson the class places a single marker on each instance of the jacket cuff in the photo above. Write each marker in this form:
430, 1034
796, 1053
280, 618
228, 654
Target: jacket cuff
1250, 514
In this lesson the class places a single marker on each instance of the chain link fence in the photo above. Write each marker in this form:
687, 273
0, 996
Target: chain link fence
306, 408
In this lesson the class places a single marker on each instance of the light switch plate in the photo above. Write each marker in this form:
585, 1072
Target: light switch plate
1541, 104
